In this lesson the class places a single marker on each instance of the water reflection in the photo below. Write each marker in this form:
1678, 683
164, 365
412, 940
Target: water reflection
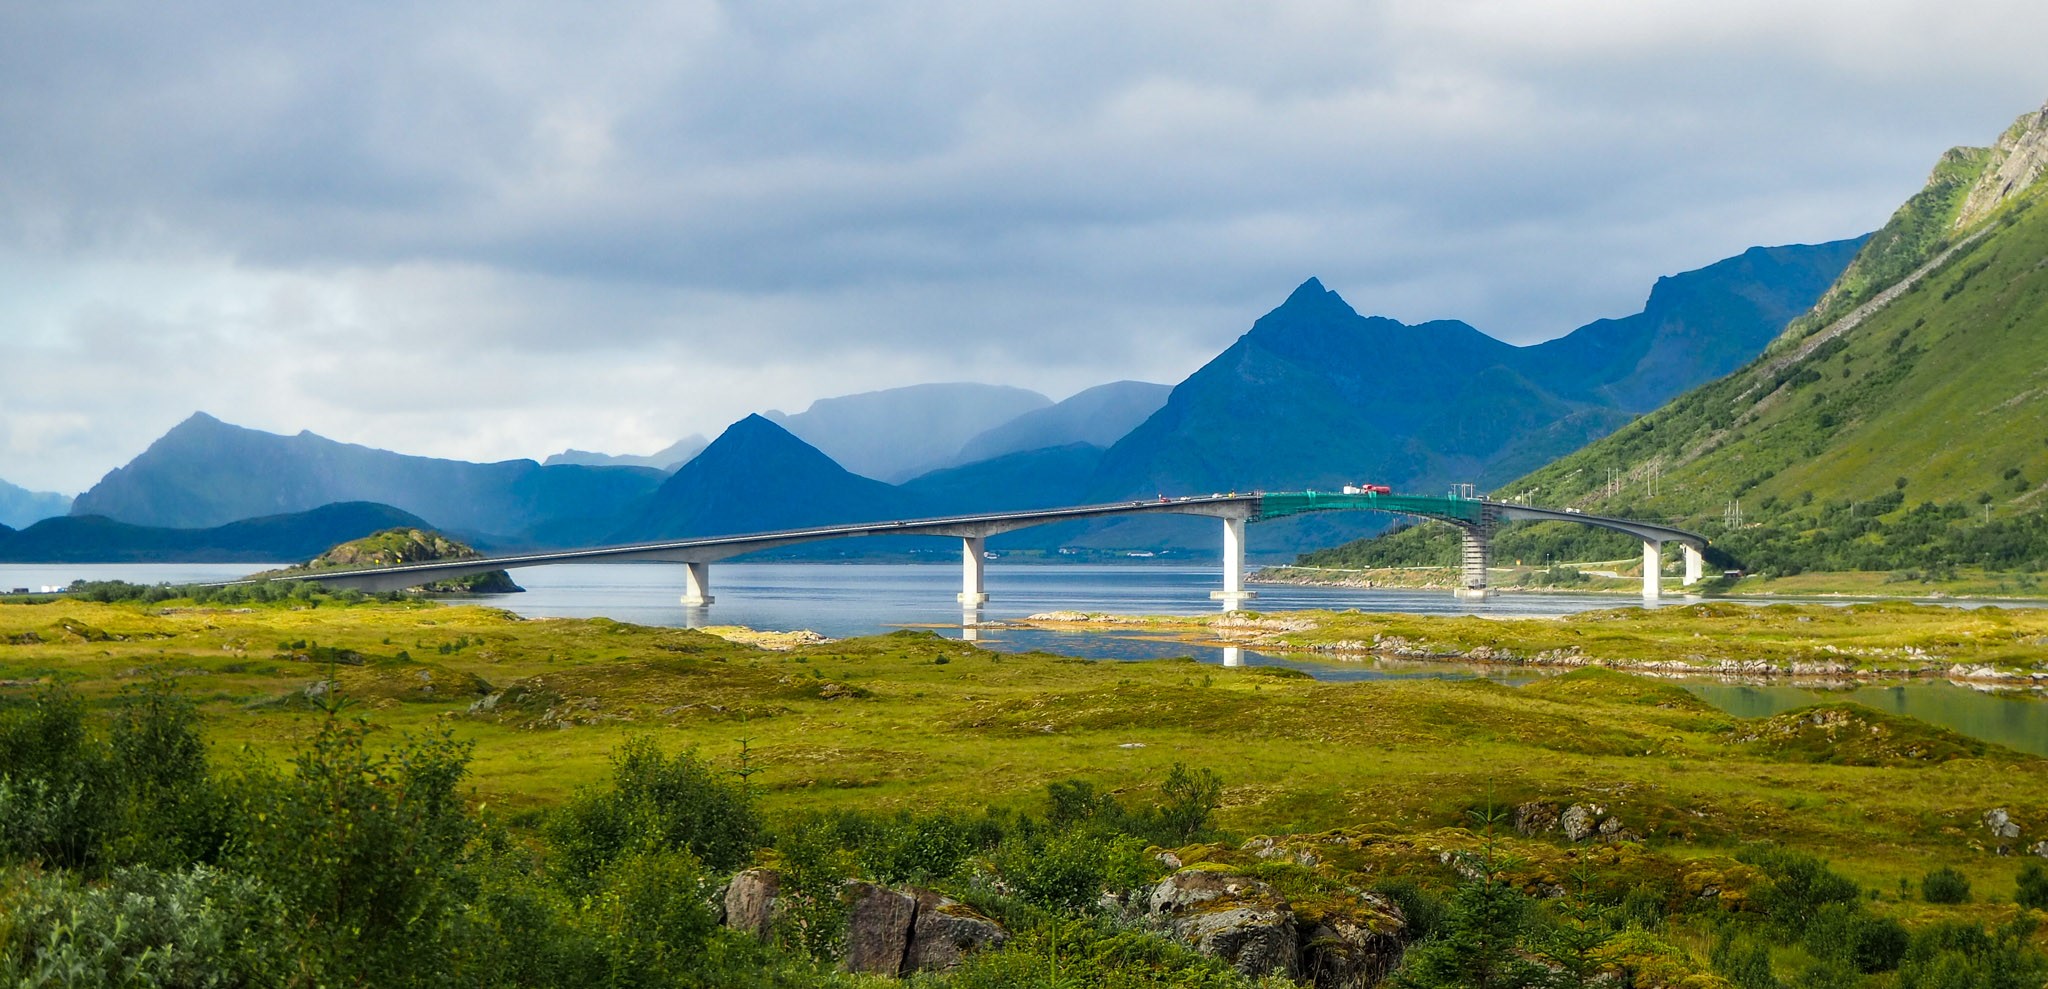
2015, 719
1233, 656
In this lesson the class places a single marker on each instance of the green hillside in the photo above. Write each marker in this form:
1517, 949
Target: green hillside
1899, 424
392, 547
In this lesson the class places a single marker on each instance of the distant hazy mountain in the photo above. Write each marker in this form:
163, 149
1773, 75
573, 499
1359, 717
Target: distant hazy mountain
903, 432
273, 539
1028, 479
757, 477
20, 506
206, 472
666, 459
1098, 416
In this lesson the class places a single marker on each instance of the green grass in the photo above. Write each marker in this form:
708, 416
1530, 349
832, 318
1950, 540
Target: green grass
911, 721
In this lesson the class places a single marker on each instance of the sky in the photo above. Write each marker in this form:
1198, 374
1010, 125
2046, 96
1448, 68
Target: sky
497, 230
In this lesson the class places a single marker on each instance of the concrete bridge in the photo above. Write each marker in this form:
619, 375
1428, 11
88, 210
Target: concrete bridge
1476, 517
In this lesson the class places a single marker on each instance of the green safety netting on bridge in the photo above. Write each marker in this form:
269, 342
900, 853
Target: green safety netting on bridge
1447, 508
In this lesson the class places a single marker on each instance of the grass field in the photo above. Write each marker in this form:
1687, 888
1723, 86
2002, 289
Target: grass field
913, 721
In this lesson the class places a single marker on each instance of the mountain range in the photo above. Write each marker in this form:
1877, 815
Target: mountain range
270, 539
205, 472
20, 506
1314, 395
665, 459
899, 433
1897, 425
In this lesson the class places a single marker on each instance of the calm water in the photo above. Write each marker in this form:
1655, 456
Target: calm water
866, 598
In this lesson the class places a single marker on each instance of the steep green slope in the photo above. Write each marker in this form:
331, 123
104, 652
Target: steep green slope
1900, 424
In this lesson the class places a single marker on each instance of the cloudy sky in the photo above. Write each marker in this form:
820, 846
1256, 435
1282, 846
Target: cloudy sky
495, 230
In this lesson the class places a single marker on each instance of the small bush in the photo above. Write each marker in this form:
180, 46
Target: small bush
655, 801
2033, 887
1945, 885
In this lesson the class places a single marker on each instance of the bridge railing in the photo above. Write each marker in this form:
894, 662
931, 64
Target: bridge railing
1448, 508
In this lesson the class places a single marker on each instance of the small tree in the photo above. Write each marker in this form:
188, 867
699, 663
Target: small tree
1945, 885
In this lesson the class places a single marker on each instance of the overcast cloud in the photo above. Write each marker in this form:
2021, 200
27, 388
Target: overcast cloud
496, 230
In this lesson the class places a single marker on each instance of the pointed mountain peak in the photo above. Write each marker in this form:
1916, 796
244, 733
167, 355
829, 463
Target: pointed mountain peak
1310, 291
756, 439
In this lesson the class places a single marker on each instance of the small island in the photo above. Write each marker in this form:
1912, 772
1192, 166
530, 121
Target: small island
392, 547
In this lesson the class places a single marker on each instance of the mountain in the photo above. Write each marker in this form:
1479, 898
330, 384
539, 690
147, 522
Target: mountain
1098, 416
1046, 478
20, 506
1316, 395
666, 459
205, 472
900, 433
296, 536
1897, 425
1696, 327
757, 477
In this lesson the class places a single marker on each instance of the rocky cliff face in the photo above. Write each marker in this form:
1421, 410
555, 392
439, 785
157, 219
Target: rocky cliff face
2017, 161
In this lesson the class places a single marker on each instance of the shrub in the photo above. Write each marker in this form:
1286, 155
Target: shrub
2033, 887
655, 802
143, 927
1945, 885
56, 791
364, 849
1798, 886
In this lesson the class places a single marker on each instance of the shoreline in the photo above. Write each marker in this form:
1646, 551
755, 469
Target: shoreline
1270, 634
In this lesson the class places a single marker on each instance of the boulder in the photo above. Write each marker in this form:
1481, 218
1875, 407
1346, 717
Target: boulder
2002, 826
1579, 822
750, 901
1340, 953
878, 922
945, 932
1236, 918
1535, 818
2039, 848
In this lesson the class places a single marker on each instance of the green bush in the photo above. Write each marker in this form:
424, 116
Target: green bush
365, 850
195, 927
2033, 887
1945, 885
654, 802
1798, 885
1966, 956
57, 796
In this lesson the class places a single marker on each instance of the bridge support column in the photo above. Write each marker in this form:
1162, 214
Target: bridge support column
697, 584
1233, 593
1476, 554
1653, 570
1695, 563
972, 566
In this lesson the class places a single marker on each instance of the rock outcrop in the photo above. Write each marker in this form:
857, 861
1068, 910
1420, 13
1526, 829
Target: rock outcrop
888, 931
750, 901
1236, 918
1350, 941
878, 926
945, 932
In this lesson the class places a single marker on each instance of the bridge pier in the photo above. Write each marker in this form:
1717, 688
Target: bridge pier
1476, 554
973, 565
1695, 563
697, 584
1653, 570
1233, 595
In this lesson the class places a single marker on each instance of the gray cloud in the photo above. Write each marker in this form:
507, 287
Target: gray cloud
494, 230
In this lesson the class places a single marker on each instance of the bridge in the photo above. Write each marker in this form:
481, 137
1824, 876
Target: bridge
1476, 518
